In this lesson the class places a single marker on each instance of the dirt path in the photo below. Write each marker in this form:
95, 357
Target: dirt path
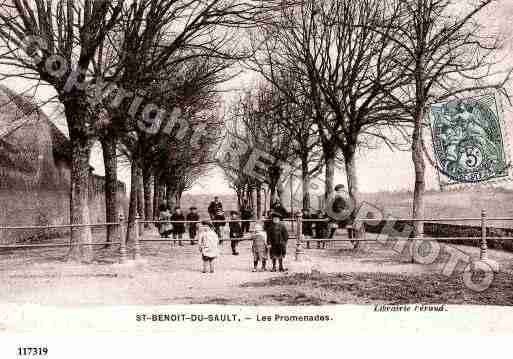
171, 274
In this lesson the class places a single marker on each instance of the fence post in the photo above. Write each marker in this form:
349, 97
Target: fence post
484, 245
483, 255
413, 245
123, 254
137, 248
299, 237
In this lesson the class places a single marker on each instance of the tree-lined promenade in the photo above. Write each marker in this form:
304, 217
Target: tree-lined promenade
144, 78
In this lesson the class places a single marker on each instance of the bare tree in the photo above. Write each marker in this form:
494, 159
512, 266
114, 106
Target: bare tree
165, 156
157, 37
345, 67
443, 54
256, 128
54, 43
297, 119
236, 154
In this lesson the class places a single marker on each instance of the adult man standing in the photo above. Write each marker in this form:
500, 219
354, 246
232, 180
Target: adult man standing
193, 217
179, 225
246, 213
277, 207
215, 210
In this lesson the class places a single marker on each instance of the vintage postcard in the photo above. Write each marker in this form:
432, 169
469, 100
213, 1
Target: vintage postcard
247, 167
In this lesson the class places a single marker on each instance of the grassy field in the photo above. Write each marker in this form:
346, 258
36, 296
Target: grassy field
322, 289
497, 203
469, 203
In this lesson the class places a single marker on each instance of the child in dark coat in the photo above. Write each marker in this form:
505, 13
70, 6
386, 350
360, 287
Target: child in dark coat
178, 227
165, 228
235, 232
277, 238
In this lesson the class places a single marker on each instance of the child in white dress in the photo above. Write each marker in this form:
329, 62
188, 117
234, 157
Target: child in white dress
208, 242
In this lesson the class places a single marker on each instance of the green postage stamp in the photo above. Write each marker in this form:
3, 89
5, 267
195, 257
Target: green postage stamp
469, 141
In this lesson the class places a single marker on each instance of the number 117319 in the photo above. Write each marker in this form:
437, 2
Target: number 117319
32, 351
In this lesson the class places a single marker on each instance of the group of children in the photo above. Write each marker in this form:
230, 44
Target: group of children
269, 239
173, 223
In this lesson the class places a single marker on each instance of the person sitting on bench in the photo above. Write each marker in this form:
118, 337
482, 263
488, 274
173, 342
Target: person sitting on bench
341, 203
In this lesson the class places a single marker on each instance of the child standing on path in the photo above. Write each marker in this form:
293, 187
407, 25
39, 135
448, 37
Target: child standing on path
165, 229
277, 237
208, 246
259, 247
235, 232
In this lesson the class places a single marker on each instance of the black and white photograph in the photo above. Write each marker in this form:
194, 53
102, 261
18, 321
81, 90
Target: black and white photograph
249, 161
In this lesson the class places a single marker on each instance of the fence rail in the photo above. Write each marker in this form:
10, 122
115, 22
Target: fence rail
356, 232
60, 226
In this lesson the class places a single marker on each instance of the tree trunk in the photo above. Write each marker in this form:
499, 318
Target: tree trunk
110, 163
274, 185
162, 192
159, 195
148, 205
352, 180
279, 192
306, 182
78, 114
249, 195
156, 196
265, 202
79, 198
272, 196
259, 201
419, 165
171, 196
239, 198
132, 208
178, 198
329, 162
140, 193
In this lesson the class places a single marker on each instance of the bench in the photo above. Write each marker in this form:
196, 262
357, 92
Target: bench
355, 235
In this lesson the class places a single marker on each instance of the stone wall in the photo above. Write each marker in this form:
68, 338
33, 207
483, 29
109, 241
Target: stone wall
35, 173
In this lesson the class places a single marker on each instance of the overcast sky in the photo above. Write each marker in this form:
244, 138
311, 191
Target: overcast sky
378, 169
386, 170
